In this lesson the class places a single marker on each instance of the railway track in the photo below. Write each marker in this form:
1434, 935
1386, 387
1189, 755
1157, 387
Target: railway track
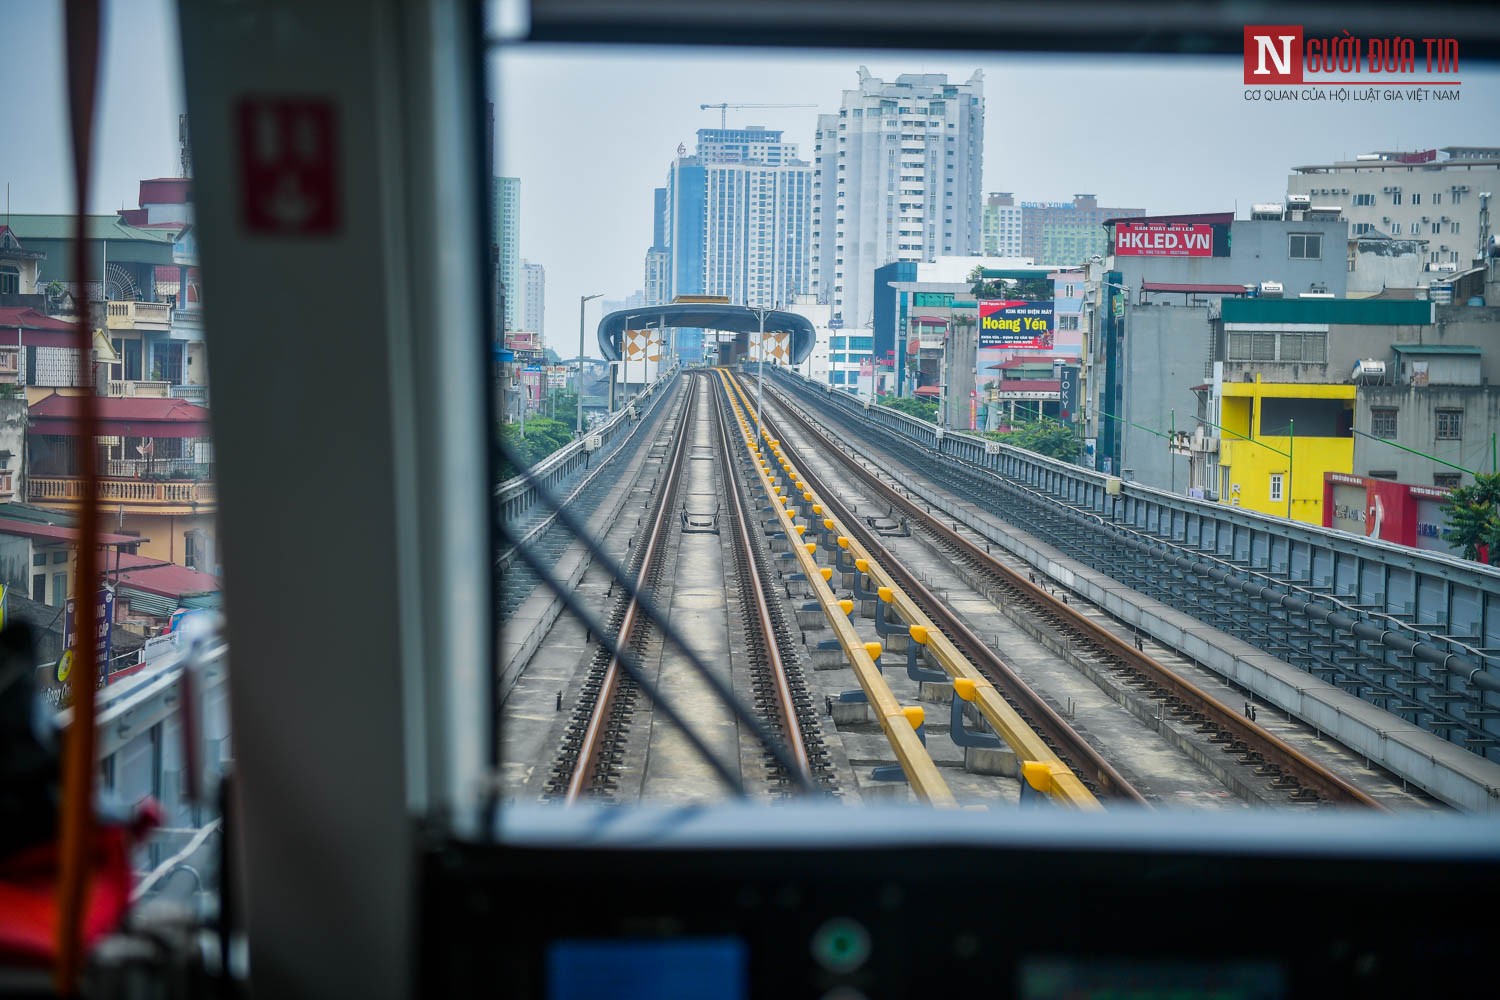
611, 736
1245, 743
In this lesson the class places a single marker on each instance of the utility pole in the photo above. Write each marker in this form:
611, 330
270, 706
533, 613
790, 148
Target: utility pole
582, 300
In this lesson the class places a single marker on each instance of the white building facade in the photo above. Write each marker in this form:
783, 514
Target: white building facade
898, 175
1443, 196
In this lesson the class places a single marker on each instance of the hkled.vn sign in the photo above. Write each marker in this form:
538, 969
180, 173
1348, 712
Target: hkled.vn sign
1164, 239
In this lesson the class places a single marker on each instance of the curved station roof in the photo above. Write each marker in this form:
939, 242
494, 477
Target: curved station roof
706, 316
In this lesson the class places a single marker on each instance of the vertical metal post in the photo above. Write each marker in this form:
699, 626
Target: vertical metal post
760, 383
582, 299
1291, 448
1172, 449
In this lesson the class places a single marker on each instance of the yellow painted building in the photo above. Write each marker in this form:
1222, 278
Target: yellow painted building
1278, 440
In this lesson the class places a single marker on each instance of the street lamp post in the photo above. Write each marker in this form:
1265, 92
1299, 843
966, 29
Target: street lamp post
578, 402
760, 383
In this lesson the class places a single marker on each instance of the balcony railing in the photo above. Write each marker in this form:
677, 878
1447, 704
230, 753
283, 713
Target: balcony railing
129, 315
181, 468
191, 393
142, 492
136, 387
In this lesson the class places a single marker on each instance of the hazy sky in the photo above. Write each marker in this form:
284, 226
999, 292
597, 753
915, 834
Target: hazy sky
590, 130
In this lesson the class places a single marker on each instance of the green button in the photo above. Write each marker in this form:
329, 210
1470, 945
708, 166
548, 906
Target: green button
841, 945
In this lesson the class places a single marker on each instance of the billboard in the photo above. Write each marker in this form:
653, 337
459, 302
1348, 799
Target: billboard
1067, 380
104, 632
1171, 239
1015, 323
1404, 513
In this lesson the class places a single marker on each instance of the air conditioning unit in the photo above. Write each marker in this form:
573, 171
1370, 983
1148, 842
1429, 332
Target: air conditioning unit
1425, 219
1385, 190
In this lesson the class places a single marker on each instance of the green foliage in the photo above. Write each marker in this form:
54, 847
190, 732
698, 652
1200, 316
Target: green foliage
1029, 289
920, 408
1472, 515
561, 405
543, 437
1045, 437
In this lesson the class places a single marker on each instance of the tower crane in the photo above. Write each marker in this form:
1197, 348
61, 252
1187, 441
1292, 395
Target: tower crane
724, 109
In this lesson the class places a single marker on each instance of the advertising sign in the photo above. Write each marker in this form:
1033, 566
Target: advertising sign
104, 619
1404, 513
1015, 323
1068, 390
1171, 239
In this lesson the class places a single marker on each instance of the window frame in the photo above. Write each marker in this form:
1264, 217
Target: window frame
1309, 241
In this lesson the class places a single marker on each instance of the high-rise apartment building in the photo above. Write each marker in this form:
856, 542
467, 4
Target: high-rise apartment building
898, 174
1002, 225
736, 218
1069, 233
533, 298
658, 278
506, 192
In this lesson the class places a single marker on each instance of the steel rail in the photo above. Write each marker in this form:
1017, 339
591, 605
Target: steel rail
897, 724
587, 763
1271, 748
755, 584
1030, 726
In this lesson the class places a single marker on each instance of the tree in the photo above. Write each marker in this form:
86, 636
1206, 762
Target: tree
1027, 289
1045, 437
1472, 516
919, 408
543, 437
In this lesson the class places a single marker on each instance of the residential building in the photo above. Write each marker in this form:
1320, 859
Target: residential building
898, 171
737, 224
1433, 421
18, 272
1385, 389
658, 277
1149, 341
127, 255
1278, 440
534, 298
1002, 225
735, 218
1062, 232
156, 471
506, 195
39, 552
1411, 194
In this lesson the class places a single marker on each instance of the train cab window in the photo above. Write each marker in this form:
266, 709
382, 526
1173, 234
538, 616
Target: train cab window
736, 499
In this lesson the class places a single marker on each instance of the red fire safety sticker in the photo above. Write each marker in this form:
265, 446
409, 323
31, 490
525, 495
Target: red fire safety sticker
288, 166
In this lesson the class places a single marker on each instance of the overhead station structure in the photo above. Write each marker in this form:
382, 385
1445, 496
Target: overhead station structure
788, 337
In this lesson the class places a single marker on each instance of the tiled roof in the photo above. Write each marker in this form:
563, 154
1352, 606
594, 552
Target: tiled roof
96, 227
170, 580
29, 319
